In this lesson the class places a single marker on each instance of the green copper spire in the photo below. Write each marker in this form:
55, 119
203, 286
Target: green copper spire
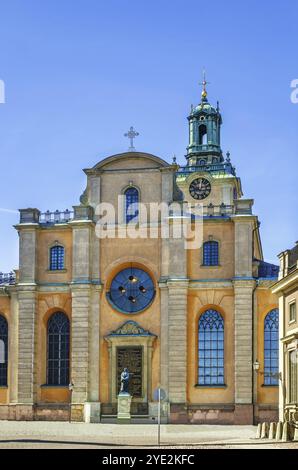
204, 131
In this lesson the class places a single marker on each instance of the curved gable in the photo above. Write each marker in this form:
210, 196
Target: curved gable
128, 160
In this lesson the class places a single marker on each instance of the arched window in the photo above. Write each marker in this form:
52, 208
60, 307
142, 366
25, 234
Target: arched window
202, 134
58, 350
131, 204
3, 351
210, 253
211, 349
271, 348
56, 258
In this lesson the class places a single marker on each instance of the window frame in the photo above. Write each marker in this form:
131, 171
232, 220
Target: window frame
272, 381
292, 303
218, 356
56, 245
51, 370
218, 254
135, 218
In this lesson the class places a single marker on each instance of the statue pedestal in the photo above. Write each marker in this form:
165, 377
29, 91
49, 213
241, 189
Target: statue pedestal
124, 402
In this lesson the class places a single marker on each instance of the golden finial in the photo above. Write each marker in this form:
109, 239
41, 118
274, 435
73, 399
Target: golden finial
204, 83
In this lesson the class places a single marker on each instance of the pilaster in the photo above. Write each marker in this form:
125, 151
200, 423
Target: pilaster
80, 342
164, 337
282, 359
243, 246
177, 340
85, 317
13, 346
26, 383
24, 321
93, 366
243, 341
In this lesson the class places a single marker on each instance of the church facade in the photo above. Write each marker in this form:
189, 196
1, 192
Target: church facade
200, 322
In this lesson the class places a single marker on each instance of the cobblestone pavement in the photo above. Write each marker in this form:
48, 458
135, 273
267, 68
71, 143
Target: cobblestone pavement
53, 435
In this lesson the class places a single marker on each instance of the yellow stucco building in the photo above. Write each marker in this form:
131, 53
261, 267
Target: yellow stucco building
287, 290
192, 319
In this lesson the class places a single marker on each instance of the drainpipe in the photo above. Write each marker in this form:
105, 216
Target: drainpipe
254, 375
254, 382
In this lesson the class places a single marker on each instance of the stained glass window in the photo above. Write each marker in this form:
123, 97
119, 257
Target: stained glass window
56, 258
131, 204
210, 253
271, 348
211, 349
132, 290
58, 350
3, 351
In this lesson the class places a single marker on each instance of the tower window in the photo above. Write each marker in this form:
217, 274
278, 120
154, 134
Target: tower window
131, 204
202, 135
271, 348
210, 253
211, 349
57, 258
3, 351
58, 350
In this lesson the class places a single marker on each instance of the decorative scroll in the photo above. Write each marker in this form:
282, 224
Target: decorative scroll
130, 328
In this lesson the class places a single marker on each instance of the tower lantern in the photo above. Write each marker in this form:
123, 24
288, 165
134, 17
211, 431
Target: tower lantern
204, 132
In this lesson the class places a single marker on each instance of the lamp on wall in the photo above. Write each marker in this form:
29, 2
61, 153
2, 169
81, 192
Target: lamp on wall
256, 365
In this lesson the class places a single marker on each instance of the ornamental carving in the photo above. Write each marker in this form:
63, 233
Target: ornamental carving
130, 328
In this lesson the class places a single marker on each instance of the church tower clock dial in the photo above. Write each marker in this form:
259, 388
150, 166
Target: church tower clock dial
200, 188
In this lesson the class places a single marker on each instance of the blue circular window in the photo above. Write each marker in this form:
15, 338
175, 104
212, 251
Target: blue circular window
132, 290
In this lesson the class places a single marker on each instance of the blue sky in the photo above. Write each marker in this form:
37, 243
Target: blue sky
79, 73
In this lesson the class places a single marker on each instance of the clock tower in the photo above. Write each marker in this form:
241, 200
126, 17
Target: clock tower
208, 176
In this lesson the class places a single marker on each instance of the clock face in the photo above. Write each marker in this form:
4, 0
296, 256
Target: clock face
200, 188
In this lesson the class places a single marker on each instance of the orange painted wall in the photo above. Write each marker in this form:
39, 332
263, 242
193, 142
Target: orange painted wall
198, 302
223, 232
46, 239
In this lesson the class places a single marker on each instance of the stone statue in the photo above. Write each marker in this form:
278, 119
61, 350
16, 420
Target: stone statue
124, 381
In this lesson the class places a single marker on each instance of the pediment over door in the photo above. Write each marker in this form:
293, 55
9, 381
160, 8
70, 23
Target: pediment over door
130, 328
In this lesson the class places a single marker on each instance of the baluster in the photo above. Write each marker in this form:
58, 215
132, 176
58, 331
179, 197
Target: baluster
66, 215
210, 208
223, 209
57, 216
47, 217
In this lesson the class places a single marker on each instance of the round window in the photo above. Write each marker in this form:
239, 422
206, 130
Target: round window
132, 290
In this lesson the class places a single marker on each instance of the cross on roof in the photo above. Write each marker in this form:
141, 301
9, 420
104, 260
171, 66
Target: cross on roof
204, 83
131, 134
